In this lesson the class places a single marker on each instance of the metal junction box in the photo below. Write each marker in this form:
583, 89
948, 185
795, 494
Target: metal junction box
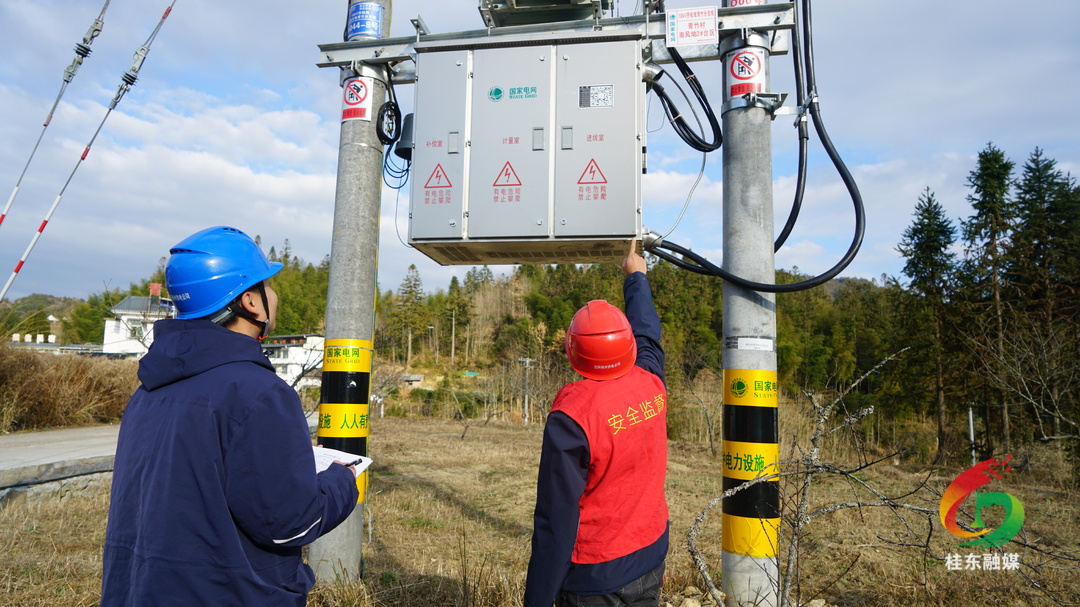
528, 150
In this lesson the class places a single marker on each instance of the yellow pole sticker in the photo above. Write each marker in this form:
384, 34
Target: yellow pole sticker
750, 387
747, 461
751, 536
349, 355
344, 420
361, 486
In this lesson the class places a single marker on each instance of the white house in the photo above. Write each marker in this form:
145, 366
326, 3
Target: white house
131, 331
296, 358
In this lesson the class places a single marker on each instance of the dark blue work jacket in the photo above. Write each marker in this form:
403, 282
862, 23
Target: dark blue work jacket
214, 485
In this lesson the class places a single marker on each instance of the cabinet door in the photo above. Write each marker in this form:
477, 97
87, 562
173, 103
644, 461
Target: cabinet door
511, 151
599, 141
440, 154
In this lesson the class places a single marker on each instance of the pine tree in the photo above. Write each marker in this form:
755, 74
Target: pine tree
987, 235
459, 309
1043, 267
1069, 216
1042, 199
411, 314
930, 265
476, 278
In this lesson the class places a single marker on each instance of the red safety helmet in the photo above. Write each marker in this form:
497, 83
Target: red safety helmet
600, 343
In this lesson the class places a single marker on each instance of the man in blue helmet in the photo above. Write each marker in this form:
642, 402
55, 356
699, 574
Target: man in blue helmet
214, 484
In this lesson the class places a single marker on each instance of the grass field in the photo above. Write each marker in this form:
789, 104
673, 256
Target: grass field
452, 519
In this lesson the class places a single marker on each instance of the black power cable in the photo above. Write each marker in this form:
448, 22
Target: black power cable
388, 129
675, 117
388, 117
804, 138
696, 263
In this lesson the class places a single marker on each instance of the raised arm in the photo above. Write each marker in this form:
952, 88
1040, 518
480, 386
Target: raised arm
641, 313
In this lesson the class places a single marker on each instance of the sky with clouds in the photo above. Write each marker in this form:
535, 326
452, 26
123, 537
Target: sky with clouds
232, 123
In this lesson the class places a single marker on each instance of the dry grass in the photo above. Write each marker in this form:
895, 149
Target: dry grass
51, 552
46, 391
453, 518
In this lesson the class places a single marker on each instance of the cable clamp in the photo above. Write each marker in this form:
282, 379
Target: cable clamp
770, 102
93, 32
364, 69
801, 115
651, 240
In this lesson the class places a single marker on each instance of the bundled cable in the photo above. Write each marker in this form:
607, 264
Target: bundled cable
82, 51
807, 93
399, 173
127, 81
804, 138
676, 119
388, 126
388, 118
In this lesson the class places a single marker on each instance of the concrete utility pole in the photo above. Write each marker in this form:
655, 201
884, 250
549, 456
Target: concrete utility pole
350, 309
528, 362
751, 519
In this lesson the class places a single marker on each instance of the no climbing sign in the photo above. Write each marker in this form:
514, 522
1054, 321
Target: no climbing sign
356, 103
746, 68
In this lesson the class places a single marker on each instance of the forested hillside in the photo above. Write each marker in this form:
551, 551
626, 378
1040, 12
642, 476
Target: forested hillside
985, 316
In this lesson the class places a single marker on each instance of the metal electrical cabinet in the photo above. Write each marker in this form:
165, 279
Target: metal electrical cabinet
529, 150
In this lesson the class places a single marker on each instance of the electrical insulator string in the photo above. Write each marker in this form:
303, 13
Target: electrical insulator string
82, 51
127, 81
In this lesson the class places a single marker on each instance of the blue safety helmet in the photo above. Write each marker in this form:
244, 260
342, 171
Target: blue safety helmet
212, 267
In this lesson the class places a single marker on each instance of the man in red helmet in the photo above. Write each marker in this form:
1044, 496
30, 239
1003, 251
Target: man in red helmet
600, 529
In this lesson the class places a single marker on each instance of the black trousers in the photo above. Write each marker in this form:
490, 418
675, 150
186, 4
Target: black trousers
642, 592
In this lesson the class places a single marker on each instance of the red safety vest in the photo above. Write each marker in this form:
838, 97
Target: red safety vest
625, 421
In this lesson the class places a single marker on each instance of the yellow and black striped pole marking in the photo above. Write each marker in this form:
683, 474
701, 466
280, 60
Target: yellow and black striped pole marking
344, 423
751, 449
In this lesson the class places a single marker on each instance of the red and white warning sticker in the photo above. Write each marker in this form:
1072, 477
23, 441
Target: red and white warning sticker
437, 188
356, 102
592, 175
747, 70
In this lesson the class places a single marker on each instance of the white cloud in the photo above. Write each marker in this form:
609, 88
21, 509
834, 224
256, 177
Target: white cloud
231, 122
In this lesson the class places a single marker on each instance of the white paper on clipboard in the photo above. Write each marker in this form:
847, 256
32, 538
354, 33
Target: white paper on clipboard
324, 457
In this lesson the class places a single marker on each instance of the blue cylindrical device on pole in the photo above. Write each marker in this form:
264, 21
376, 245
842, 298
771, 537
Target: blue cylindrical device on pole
365, 20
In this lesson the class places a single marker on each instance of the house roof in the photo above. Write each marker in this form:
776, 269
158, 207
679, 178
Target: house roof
291, 341
153, 307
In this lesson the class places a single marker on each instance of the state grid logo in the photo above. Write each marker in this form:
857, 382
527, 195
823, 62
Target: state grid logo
739, 387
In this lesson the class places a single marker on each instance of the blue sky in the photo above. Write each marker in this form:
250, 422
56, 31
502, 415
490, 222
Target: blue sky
232, 123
